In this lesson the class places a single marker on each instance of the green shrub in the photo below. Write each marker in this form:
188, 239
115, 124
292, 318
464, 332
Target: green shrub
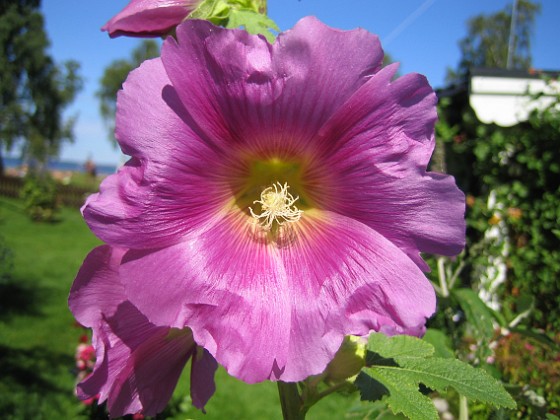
39, 196
520, 167
532, 365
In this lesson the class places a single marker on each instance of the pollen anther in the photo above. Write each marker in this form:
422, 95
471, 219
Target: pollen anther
277, 205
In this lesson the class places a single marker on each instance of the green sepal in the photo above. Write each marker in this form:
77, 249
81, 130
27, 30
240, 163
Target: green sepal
205, 10
236, 14
253, 22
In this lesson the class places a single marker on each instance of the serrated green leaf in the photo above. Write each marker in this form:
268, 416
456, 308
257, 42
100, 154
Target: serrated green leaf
253, 22
403, 396
440, 342
439, 374
370, 389
476, 311
398, 346
408, 362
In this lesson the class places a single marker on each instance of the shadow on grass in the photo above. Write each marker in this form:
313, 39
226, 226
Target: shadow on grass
18, 297
28, 368
33, 373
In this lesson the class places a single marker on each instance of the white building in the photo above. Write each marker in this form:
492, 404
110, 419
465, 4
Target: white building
506, 97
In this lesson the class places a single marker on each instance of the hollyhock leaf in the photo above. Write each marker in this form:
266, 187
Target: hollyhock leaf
476, 311
403, 397
370, 389
399, 346
441, 343
476, 384
210, 10
415, 365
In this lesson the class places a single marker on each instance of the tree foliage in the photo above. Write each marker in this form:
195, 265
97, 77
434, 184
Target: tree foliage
34, 89
487, 41
114, 76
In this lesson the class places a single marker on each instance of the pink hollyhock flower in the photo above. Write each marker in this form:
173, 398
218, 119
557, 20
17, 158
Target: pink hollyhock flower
277, 197
138, 364
147, 18
84, 356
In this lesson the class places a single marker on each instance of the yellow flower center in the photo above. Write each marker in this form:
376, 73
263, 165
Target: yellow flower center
277, 205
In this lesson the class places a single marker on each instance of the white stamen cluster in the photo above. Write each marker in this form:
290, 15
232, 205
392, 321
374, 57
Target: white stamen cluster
277, 205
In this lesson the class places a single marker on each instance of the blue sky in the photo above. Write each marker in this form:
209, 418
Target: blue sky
421, 34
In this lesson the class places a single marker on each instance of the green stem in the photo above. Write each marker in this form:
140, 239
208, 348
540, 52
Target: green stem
442, 277
330, 390
463, 408
290, 400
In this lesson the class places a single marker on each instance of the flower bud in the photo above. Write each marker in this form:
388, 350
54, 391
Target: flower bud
348, 361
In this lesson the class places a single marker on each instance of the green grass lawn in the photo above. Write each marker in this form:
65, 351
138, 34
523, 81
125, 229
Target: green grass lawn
38, 337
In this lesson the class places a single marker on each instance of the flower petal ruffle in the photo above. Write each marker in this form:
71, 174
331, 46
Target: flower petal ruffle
377, 147
251, 95
167, 155
138, 364
273, 310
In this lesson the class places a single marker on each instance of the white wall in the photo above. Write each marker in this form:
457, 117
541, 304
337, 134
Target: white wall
507, 101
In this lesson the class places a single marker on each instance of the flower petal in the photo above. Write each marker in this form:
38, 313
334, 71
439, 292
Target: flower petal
202, 378
256, 96
391, 123
138, 364
95, 293
269, 310
167, 155
145, 18
422, 213
309, 57
153, 357
377, 147
219, 286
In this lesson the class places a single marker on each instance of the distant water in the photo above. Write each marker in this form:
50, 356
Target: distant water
58, 165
